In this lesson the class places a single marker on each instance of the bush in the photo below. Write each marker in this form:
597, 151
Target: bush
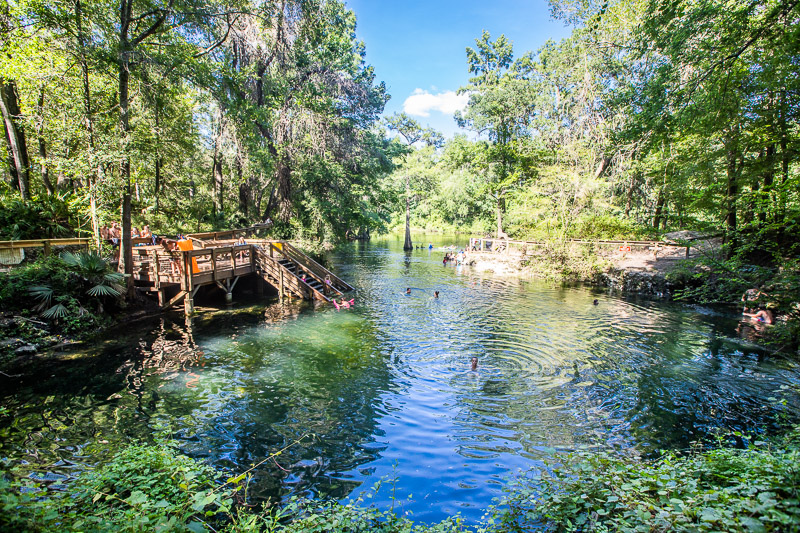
143, 488
41, 217
754, 489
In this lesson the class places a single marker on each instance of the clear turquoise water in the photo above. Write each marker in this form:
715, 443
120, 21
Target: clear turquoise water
385, 390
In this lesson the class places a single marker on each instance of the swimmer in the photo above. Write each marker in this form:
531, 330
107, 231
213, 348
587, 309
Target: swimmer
408, 290
474, 362
596, 301
436, 294
762, 315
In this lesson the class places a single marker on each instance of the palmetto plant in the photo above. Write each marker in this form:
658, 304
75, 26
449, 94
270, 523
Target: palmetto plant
92, 272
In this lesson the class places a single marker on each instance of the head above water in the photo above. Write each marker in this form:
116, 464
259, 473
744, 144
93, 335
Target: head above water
474, 362
435, 294
408, 290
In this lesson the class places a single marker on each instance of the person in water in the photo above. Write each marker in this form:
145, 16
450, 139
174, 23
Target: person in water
408, 290
596, 301
436, 294
762, 315
474, 363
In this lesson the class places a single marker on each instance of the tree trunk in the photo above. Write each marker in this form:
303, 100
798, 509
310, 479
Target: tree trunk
217, 179
629, 196
602, 167
126, 255
407, 244
659, 209
15, 135
42, 147
500, 207
765, 197
159, 159
284, 190
244, 186
784, 157
94, 172
731, 196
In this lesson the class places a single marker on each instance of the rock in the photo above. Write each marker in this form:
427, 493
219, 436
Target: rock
10, 343
28, 348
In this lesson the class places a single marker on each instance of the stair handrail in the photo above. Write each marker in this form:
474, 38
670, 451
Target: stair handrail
294, 278
294, 260
325, 271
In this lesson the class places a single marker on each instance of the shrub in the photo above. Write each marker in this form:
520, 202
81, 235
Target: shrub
143, 488
754, 489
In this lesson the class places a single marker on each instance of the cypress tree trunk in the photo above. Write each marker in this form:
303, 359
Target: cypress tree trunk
408, 245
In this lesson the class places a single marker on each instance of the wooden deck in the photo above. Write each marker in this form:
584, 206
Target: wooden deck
223, 263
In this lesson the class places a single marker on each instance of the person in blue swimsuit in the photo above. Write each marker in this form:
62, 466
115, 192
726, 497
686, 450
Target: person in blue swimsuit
762, 315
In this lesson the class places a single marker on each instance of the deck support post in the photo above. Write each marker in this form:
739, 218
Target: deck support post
228, 288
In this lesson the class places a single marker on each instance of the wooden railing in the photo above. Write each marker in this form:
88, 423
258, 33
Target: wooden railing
281, 278
277, 262
318, 271
227, 234
47, 244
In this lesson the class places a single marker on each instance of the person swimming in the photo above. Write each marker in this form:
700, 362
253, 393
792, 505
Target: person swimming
408, 290
474, 363
762, 315
436, 294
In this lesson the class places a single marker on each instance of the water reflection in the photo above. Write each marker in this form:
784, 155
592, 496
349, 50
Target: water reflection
386, 388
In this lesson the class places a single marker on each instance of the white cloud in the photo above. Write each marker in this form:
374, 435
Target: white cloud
421, 103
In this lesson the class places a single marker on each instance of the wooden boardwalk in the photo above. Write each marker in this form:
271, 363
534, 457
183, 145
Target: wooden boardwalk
177, 275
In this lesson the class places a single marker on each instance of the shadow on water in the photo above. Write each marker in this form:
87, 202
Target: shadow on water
386, 389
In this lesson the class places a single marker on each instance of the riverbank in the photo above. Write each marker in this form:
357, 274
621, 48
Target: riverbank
635, 272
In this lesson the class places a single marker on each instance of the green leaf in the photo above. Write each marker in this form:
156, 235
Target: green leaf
136, 498
237, 479
196, 527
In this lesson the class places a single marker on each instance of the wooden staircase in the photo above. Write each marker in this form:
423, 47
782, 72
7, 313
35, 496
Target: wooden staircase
294, 273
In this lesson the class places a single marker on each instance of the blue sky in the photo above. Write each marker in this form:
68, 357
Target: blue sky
418, 47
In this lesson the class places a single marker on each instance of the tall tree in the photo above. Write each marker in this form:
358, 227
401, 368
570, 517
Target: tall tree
499, 108
412, 133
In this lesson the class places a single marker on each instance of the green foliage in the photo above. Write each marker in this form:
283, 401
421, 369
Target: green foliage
42, 217
723, 489
143, 488
73, 291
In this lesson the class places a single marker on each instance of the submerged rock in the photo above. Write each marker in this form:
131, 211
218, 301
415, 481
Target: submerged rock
27, 348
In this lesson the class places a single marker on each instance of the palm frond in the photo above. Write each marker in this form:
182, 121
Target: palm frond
70, 258
41, 292
102, 290
114, 277
57, 311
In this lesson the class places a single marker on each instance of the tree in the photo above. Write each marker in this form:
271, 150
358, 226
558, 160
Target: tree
412, 133
499, 108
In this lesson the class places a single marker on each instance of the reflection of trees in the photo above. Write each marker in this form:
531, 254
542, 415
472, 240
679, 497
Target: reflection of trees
79, 411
